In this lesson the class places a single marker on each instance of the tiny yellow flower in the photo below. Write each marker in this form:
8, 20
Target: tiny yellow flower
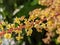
58, 31
42, 17
36, 25
3, 23
46, 13
39, 30
29, 32
8, 26
19, 38
1, 27
22, 18
43, 25
52, 13
58, 40
7, 35
17, 20
12, 25
32, 17
49, 23
28, 25
18, 31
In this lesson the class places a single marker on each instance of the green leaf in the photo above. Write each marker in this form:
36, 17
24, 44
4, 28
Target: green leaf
34, 2
40, 43
16, 24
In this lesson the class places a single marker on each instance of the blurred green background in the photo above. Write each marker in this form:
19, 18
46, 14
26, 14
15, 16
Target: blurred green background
12, 8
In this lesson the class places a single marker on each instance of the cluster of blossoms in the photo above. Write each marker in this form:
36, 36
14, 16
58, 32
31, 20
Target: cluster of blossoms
52, 14
48, 19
